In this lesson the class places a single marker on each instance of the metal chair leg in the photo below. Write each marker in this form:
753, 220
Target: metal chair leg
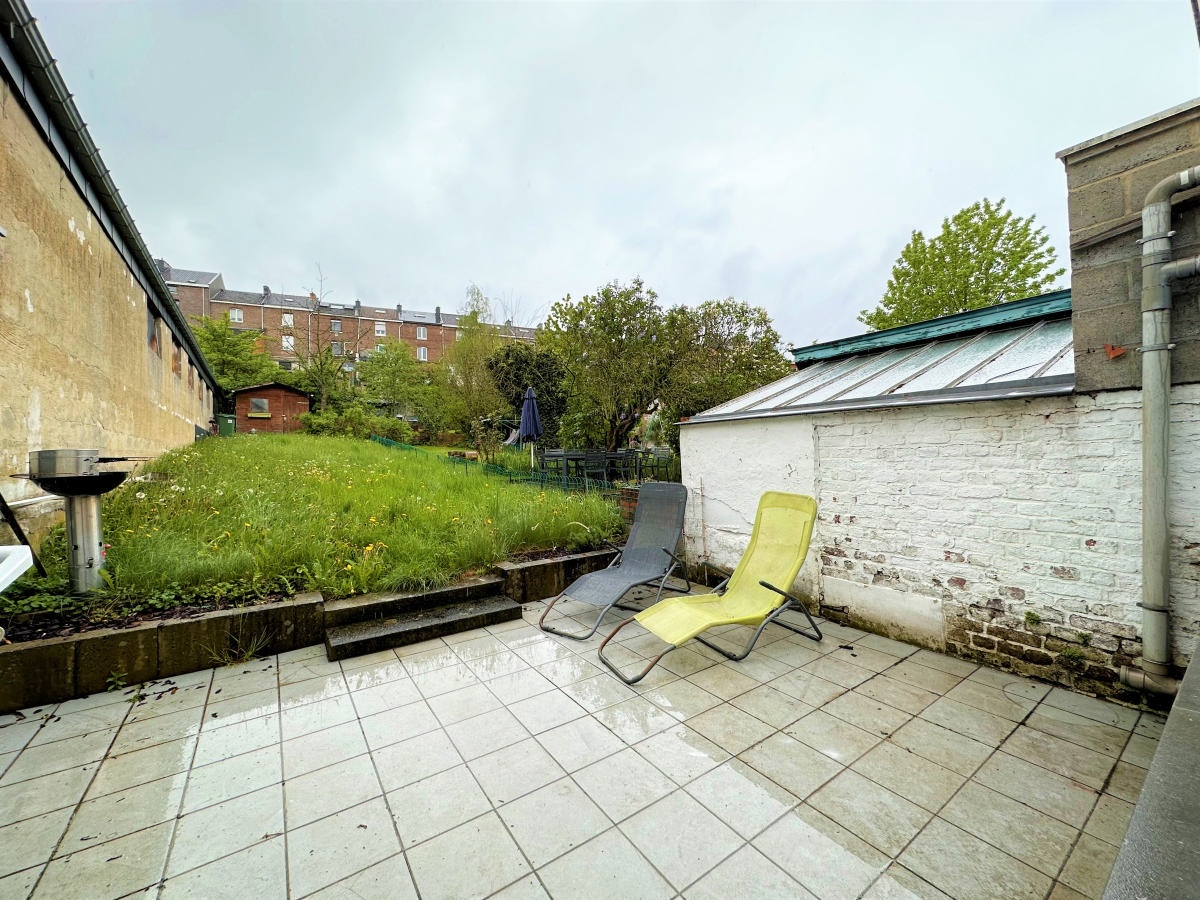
575, 637
612, 666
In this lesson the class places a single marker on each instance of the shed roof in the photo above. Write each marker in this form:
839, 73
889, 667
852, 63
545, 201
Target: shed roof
1018, 349
269, 384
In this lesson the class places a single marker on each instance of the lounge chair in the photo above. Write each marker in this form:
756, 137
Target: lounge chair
647, 557
756, 594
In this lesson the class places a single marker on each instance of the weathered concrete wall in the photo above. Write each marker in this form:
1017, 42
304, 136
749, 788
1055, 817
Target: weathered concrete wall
1007, 531
1107, 180
82, 362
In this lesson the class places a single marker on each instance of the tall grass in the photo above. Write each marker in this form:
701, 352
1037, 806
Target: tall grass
337, 515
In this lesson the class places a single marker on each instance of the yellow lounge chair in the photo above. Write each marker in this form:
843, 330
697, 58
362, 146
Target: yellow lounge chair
756, 594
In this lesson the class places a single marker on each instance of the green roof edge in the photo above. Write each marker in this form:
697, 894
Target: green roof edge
1052, 304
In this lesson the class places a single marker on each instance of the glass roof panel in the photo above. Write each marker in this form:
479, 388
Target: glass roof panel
895, 377
954, 367
1064, 365
867, 367
1024, 359
813, 378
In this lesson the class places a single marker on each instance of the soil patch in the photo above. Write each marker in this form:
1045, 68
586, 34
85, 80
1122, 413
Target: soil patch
39, 626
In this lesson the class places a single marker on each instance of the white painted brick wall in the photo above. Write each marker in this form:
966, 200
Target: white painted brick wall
1041, 497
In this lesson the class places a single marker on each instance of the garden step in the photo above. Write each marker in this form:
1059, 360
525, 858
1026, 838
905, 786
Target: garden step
413, 626
381, 606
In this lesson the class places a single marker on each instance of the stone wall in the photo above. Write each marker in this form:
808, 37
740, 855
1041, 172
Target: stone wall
83, 361
1107, 181
1004, 531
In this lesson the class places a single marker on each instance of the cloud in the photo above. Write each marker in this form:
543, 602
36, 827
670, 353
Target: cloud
778, 153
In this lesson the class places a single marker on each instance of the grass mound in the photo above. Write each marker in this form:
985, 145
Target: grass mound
224, 521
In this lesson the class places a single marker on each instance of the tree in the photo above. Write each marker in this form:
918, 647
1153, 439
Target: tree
615, 354
236, 357
392, 378
516, 367
469, 392
985, 254
727, 347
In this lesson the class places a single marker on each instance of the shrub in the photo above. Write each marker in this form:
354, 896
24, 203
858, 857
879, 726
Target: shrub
356, 422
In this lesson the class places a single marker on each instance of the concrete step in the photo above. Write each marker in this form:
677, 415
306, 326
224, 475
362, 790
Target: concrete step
381, 606
413, 626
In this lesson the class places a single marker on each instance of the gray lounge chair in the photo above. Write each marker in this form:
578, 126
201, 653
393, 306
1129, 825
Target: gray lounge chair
648, 557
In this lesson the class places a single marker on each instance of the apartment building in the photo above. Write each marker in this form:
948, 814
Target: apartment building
295, 325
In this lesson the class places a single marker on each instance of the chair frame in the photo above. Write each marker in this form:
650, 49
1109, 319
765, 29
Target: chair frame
676, 563
792, 602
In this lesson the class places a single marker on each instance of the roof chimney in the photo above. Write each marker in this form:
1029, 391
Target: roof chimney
437, 315
266, 290
357, 308
399, 313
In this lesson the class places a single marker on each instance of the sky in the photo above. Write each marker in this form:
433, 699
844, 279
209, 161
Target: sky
778, 153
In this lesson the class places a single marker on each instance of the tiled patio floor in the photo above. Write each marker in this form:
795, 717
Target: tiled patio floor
504, 762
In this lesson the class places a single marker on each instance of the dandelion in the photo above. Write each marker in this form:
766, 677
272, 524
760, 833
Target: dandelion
488, 521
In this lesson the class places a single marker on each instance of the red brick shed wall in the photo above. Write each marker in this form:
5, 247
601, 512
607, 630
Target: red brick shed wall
283, 405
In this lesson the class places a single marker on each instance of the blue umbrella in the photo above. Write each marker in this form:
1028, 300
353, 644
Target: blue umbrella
531, 423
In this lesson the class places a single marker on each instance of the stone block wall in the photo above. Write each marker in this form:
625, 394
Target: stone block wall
83, 360
1107, 182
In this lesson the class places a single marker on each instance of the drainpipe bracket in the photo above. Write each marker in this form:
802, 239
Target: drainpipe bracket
1156, 237
1162, 609
1150, 348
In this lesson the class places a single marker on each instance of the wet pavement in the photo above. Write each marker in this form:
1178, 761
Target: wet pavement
506, 762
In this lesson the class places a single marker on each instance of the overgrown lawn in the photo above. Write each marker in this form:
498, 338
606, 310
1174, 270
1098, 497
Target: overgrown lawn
231, 519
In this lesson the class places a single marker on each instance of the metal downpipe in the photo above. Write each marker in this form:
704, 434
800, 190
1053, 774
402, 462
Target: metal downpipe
1157, 273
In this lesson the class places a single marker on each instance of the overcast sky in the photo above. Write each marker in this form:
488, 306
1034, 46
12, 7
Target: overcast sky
778, 153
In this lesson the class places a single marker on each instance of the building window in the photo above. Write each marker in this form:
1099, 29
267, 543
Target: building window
288, 343
286, 321
381, 329
259, 408
421, 333
286, 365
423, 354
337, 346
235, 315
152, 338
335, 325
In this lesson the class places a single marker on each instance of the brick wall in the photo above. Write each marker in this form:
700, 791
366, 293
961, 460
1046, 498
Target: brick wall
1005, 531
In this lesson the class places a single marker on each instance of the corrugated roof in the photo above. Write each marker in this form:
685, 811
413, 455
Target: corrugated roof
1020, 349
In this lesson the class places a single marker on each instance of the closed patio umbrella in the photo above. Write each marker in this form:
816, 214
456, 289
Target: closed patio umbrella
531, 422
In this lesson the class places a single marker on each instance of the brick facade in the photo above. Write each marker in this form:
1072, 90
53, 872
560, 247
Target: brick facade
294, 326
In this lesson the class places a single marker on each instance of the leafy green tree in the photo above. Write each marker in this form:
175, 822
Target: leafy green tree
985, 254
392, 377
236, 357
616, 356
468, 390
725, 348
515, 367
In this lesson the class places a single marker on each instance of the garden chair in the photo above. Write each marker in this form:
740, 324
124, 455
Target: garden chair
756, 594
647, 557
